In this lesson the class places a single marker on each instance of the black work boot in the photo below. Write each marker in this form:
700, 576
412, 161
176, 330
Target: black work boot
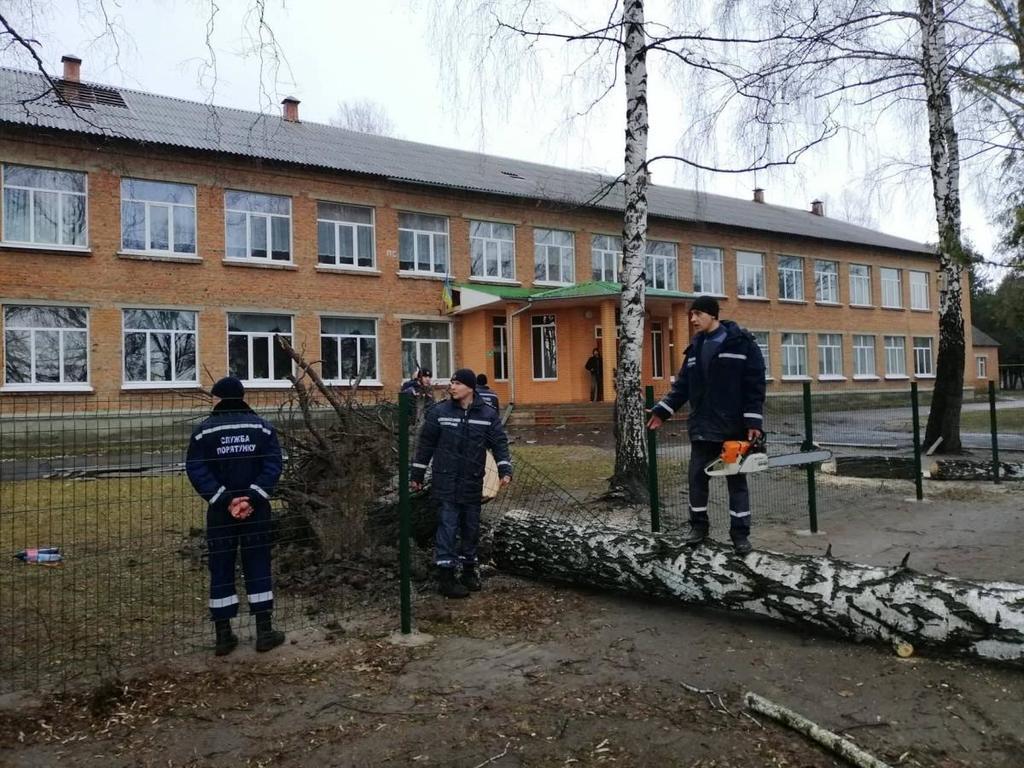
226, 639
740, 542
267, 638
471, 578
696, 535
447, 584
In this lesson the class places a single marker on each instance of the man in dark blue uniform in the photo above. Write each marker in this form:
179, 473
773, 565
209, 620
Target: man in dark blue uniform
487, 394
722, 379
456, 435
234, 462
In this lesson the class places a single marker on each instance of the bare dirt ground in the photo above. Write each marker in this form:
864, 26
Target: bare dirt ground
529, 674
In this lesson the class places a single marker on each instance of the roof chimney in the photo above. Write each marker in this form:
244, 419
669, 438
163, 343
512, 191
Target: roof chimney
291, 109
817, 208
758, 195
72, 68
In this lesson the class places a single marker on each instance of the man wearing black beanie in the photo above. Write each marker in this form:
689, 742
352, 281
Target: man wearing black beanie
722, 379
456, 435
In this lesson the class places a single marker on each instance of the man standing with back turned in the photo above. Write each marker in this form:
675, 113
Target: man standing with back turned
722, 378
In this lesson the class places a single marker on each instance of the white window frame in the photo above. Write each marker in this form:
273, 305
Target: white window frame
919, 290
794, 357
268, 218
431, 346
830, 357
31, 242
657, 350
148, 206
895, 357
860, 284
499, 342
565, 252
431, 263
495, 244
53, 386
791, 277
544, 324
360, 338
708, 270
349, 229
606, 263
765, 348
826, 281
892, 287
750, 274
662, 269
269, 336
175, 334
981, 366
864, 360
924, 357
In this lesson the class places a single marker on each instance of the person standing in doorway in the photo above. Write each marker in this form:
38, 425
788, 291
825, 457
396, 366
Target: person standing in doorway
234, 462
595, 366
456, 436
723, 380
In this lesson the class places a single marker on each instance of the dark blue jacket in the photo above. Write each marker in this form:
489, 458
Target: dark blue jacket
234, 453
457, 439
488, 395
730, 400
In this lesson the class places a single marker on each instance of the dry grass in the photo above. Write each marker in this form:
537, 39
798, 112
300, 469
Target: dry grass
577, 468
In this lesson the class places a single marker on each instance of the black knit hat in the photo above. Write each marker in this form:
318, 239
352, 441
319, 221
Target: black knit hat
706, 304
228, 388
481, 379
465, 376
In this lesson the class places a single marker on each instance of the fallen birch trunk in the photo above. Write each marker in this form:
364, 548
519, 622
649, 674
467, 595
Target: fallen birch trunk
891, 605
831, 741
962, 469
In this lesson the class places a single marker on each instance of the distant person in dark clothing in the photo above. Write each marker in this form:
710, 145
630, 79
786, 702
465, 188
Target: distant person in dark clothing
234, 462
420, 385
595, 365
485, 393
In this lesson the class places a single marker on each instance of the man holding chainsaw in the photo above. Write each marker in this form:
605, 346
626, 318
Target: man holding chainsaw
723, 380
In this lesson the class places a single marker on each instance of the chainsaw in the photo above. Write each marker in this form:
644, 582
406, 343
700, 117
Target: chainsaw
741, 457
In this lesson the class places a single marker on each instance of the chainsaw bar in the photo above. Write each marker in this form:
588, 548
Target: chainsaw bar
758, 462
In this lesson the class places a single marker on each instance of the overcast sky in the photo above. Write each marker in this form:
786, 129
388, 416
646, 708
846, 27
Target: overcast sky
385, 50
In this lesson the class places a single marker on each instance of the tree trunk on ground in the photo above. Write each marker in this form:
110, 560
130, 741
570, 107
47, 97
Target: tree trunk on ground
630, 445
888, 467
947, 398
960, 469
892, 605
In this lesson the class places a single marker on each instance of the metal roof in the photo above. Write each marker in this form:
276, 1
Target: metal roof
25, 99
981, 339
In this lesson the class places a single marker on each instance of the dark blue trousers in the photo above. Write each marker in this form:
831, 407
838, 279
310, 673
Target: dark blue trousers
703, 453
225, 537
458, 534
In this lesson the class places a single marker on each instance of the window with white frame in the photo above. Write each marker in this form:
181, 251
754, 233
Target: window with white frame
427, 344
919, 290
46, 347
864, 356
750, 282
830, 355
423, 243
924, 361
860, 285
348, 349
761, 337
160, 347
544, 347
553, 256
345, 235
657, 351
44, 206
981, 366
661, 265
259, 227
791, 278
158, 217
253, 355
892, 288
492, 250
895, 356
794, 355
707, 270
826, 282
605, 257
499, 346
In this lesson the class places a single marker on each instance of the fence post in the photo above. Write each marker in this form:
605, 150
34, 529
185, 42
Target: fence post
404, 516
995, 431
916, 421
652, 468
812, 495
